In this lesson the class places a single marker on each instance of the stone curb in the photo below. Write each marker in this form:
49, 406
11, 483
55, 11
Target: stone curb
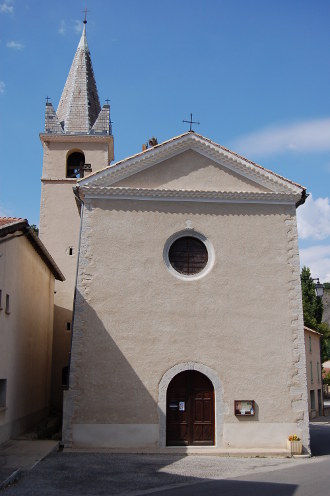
17, 474
14, 477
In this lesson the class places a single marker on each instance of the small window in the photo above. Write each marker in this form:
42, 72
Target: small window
7, 309
312, 395
318, 372
311, 367
310, 344
70, 250
188, 255
3, 391
68, 326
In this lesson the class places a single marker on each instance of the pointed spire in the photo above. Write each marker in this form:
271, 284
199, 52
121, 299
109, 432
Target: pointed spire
79, 105
83, 40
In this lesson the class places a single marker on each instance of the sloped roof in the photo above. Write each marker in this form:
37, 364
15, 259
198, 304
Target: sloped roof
110, 175
10, 225
7, 221
311, 330
79, 105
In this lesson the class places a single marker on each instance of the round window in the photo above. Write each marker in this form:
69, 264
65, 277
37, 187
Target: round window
188, 255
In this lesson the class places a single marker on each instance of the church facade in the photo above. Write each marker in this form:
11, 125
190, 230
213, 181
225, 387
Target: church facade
187, 324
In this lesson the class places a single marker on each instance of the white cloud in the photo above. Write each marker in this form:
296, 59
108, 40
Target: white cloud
314, 218
62, 28
2, 87
317, 258
15, 45
304, 136
6, 7
78, 25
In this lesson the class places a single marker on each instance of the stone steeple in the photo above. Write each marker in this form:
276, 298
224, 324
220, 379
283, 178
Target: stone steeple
79, 110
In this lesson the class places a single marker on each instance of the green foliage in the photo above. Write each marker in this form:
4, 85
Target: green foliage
313, 311
35, 229
326, 379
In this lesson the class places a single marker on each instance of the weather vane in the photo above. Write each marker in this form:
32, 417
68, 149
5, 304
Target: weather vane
191, 122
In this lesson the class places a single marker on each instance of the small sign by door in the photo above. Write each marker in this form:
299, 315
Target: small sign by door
182, 406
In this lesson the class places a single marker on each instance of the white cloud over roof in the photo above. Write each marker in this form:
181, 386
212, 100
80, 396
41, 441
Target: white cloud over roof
306, 136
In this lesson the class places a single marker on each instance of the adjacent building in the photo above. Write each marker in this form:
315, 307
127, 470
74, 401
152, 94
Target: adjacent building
314, 372
27, 274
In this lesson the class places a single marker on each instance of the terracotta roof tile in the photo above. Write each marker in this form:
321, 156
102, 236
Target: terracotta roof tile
6, 221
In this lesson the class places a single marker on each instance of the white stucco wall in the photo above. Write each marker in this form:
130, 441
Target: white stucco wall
135, 321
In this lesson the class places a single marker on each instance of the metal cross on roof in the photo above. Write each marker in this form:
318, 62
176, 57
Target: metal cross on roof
107, 100
191, 122
47, 99
85, 12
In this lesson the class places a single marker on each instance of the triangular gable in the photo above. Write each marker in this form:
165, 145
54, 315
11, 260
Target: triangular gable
189, 171
199, 165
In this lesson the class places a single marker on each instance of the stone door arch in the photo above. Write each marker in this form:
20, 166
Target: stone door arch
218, 404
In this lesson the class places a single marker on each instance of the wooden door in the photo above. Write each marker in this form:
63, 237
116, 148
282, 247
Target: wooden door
190, 410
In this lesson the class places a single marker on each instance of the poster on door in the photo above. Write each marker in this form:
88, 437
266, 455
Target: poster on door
182, 406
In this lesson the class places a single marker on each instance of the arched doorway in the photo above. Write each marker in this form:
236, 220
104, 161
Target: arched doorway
190, 410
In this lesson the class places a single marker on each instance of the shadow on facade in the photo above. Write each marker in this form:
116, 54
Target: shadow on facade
107, 386
191, 207
60, 354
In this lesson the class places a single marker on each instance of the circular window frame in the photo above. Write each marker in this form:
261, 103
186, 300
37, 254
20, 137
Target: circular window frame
200, 237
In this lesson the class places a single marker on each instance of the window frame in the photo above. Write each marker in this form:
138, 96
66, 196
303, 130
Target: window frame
193, 234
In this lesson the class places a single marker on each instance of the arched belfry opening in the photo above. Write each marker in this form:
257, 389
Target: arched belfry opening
75, 165
190, 410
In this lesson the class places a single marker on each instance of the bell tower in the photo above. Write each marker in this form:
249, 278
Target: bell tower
77, 140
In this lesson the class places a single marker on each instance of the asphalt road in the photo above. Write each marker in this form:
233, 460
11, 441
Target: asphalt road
309, 479
89, 474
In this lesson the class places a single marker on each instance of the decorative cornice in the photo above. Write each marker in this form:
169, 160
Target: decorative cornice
186, 195
60, 181
80, 138
192, 141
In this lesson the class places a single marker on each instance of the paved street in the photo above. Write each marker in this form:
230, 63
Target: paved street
73, 474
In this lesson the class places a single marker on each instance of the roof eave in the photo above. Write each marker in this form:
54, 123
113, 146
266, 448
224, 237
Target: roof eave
37, 244
172, 147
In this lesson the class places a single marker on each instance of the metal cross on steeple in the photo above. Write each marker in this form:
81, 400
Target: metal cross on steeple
85, 12
191, 122
47, 99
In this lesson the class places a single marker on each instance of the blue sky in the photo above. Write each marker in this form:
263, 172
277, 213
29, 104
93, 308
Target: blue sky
256, 74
